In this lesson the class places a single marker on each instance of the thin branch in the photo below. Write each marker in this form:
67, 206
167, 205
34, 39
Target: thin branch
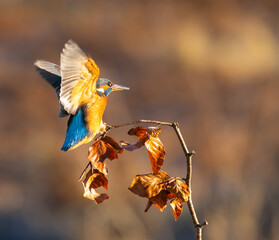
139, 121
82, 174
188, 179
186, 152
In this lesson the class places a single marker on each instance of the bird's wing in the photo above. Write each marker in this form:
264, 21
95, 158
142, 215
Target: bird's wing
79, 76
50, 72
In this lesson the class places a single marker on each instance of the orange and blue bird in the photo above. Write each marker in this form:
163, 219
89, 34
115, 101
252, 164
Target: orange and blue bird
81, 93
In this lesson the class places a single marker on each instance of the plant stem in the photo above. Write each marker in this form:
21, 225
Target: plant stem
188, 179
82, 174
140, 121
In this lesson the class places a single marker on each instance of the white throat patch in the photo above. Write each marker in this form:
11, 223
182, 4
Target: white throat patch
100, 90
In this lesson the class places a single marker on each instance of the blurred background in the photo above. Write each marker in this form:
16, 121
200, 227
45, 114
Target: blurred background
212, 66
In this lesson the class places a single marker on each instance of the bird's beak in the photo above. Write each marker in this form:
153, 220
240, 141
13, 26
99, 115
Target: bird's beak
117, 87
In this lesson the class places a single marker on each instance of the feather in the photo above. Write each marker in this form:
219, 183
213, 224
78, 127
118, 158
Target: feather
51, 73
76, 131
72, 63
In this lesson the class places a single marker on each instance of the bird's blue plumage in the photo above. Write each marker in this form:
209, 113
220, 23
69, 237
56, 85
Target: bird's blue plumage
76, 131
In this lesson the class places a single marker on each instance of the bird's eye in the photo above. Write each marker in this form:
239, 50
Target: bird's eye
110, 84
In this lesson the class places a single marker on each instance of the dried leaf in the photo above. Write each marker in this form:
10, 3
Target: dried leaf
149, 138
98, 179
94, 179
101, 150
179, 189
96, 197
160, 200
177, 207
148, 185
156, 151
132, 147
113, 143
140, 132
159, 188
97, 150
142, 135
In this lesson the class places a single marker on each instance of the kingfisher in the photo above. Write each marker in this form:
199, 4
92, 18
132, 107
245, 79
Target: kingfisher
81, 93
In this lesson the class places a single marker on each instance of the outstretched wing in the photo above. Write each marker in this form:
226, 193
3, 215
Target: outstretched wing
79, 76
51, 73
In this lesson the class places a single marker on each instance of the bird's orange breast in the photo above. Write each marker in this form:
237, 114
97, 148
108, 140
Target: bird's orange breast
94, 113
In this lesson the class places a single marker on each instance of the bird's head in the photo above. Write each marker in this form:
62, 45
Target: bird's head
105, 86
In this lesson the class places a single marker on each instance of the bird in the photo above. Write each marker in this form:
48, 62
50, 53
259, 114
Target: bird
81, 93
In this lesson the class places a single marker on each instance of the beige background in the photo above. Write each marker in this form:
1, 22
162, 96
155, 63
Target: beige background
210, 65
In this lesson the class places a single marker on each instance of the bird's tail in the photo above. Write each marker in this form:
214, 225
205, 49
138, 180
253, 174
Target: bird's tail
77, 132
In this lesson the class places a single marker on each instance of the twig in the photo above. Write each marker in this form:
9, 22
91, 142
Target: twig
140, 121
188, 178
82, 174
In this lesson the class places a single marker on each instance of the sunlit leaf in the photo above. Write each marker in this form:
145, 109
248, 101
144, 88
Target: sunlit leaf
95, 152
113, 143
156, 151
98, 179
101, 150
179, 189
96, 197
177, 207
139, 132
148, 185
160, 200
95, 179
149, 138
159, 188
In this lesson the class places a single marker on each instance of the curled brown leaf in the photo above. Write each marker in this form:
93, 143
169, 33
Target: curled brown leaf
178, 188
159, 188
148, 185
95, 179
132, 147
149, 138
113, 143
101, 150
140, 132
156, 151
160, 200
177, 207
